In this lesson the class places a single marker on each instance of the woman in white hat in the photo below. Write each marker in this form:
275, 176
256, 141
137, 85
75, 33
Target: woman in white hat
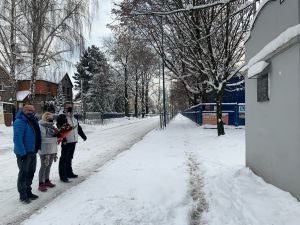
48, 152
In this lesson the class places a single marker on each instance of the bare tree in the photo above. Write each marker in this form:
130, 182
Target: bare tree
122, 48
53, 27
203, 45
10, 20
39, 32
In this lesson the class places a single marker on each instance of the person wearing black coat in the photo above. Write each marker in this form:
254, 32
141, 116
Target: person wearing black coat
69, 143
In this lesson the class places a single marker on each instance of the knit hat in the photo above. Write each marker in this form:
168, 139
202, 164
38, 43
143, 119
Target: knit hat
46, 116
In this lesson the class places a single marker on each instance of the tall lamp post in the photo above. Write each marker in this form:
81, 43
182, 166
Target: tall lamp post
163, 71
82, 101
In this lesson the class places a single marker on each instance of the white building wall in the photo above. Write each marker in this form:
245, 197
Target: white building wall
273, 127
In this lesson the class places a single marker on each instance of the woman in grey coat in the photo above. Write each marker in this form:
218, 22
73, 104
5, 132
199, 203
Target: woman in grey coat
48, 152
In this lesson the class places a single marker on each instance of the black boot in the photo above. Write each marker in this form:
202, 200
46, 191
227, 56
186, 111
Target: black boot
32, 196
72, 175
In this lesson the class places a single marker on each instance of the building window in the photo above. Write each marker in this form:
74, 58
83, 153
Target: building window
2, 87
263, 88
64, 90
68, 91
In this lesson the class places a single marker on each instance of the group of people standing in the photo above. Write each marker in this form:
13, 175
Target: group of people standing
32, 136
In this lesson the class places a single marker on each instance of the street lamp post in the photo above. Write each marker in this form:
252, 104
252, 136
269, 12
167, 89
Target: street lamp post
82, 102
163, 71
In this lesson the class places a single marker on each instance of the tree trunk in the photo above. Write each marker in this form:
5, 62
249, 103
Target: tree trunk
36, 34
13, 60
33, 81
220, 124
126, 96
136, 96
143, 96
147, 98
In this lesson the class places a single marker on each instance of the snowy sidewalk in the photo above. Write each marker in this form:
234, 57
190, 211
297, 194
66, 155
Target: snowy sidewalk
103, 144
152, 184
146, 185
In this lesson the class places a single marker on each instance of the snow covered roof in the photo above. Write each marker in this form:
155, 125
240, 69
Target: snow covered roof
280, 43
49, 74
262, 4
257, 69
21, 95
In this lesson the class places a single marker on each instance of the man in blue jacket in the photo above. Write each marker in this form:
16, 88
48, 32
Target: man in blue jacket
27, 142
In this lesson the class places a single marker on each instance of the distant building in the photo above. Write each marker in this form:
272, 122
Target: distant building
67, 87
45, 92
272, 94
5, 86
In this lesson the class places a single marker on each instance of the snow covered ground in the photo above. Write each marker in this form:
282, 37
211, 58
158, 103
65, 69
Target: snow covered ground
103, 144
162, 181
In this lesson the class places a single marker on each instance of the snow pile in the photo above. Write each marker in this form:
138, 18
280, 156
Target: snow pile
275, 44
235, 195
239, 197
6, 135
257, 68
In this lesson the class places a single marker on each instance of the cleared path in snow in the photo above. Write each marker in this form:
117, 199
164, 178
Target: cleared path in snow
103, 145
148, 185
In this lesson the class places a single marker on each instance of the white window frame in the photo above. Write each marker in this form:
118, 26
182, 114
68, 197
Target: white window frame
2, 87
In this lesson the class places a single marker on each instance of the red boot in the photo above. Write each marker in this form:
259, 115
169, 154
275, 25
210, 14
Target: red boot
49, 184
42, 187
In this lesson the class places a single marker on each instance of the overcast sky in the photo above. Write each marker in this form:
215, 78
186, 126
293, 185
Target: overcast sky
99, 29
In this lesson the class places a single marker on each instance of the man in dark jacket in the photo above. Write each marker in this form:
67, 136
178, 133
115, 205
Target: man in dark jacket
69, 143
27, 142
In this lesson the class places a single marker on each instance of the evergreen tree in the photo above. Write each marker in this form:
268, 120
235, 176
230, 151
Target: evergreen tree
89, 64
93, 70
59, 99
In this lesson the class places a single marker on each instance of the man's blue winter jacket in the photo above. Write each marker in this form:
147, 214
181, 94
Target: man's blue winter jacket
24, 136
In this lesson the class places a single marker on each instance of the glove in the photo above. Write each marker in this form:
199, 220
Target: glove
85, 139
23, 158
64, 141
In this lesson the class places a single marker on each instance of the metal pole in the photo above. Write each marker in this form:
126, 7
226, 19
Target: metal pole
82, 104
163, 72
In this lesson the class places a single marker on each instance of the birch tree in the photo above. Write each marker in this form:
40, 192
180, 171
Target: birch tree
10, 39
39, 33
53, 27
